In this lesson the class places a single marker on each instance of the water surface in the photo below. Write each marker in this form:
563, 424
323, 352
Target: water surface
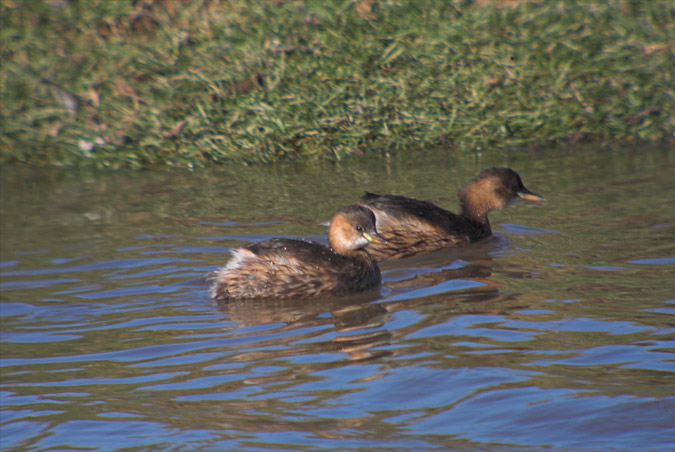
554, 334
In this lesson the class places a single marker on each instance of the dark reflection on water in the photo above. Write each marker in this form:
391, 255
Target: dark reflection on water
556, 333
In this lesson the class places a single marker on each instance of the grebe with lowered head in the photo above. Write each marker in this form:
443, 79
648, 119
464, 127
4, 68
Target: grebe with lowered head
294, 268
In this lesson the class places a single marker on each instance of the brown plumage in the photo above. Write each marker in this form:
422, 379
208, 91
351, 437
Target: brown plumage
294, 268
412, 227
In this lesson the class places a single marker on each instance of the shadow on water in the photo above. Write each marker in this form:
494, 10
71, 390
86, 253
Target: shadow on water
555, 333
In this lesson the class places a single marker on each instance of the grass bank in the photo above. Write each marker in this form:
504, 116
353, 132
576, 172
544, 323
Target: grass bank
152, 82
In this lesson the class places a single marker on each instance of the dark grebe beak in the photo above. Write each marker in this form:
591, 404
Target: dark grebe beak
527, 195
374, 237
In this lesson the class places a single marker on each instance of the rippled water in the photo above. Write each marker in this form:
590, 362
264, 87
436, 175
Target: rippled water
555, 334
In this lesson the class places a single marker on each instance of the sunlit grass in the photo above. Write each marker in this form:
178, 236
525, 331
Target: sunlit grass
192, 83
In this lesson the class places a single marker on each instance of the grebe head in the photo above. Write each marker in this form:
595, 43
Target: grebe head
492, 189
352, 228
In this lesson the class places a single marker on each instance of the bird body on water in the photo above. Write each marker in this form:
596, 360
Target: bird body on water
412, 227
295, 268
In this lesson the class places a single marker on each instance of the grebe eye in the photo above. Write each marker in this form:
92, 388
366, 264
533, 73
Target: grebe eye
359, 228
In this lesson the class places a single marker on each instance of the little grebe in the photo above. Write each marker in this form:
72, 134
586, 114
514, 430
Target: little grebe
294, 268
412, 227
